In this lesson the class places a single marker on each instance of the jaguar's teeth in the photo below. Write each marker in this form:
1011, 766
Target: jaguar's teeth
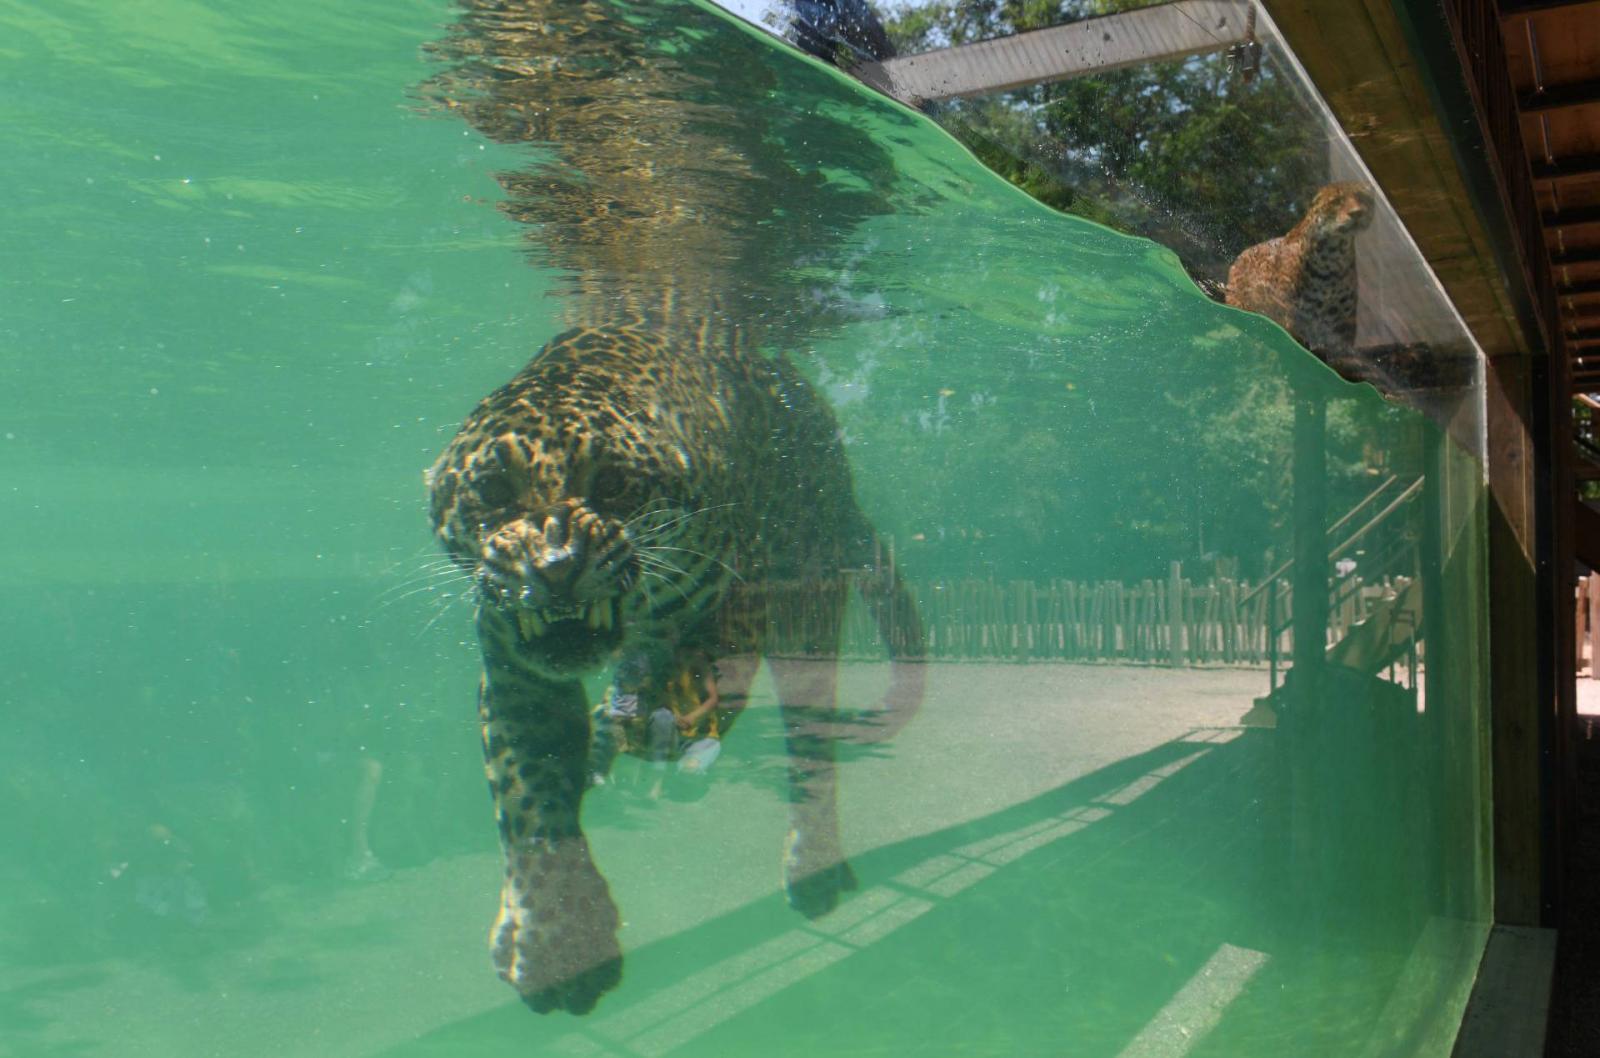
592, 619
532, 626
607, 615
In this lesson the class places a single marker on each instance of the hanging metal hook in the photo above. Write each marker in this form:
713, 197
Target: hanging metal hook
1245, 57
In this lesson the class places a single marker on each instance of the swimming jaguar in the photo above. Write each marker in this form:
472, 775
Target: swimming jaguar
660, 476
634, 486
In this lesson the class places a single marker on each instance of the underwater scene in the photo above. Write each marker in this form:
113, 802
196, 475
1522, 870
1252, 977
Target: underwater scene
624, 530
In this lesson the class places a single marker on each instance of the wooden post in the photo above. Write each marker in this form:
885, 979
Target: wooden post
1209, 644
1123, 624
1310, 620
1594, 627
1175, 616
1580, 619
1306, 723
1147, 620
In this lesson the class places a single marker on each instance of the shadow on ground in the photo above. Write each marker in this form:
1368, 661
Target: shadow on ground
1149, 908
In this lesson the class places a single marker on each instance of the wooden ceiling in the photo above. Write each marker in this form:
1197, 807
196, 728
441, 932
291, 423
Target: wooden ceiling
1553, 56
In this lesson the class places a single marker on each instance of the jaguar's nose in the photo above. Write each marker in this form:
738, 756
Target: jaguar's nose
558, 567
558, 556
537, 555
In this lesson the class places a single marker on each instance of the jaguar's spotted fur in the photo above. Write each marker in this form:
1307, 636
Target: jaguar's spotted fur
631, 488
1305, 281
655, 474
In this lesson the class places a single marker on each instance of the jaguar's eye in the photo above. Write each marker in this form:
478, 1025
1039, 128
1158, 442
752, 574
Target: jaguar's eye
607, 487
495, 489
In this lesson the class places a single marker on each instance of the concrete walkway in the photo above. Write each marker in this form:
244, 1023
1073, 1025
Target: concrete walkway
1086, 833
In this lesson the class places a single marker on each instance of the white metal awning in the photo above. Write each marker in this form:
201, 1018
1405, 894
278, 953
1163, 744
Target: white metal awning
1091, 46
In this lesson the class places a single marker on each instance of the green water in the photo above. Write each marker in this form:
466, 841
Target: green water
254, 278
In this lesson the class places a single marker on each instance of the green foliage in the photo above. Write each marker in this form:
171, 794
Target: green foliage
1586, 427
1115, 465
1187, 152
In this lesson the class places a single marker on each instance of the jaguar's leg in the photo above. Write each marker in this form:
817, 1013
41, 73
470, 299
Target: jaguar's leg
814, 868
894, 611
555, 938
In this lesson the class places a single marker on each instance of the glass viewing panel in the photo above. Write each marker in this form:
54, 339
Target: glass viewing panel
987, 556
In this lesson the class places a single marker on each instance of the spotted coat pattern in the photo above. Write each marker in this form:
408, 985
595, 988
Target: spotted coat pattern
632, 489
1305, 281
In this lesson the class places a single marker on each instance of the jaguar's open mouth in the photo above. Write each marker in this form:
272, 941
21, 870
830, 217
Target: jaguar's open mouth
536, 623
563, 640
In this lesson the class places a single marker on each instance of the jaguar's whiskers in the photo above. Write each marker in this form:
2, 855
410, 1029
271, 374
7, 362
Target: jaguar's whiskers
679, 520
441, 581
689, 550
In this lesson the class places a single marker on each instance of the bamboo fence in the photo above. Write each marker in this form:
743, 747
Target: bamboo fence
1173, 621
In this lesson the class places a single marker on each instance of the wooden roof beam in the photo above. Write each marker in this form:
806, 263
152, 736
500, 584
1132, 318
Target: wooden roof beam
1588, 255
1559, 97
1572, 167
1510, 9
1572, 218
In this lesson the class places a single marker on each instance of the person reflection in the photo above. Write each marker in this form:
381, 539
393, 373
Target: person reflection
666, 710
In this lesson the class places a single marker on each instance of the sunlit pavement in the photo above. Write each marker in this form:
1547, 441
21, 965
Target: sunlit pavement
1588, 696
1014, 861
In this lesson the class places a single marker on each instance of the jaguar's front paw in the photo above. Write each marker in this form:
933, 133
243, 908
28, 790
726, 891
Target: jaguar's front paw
555, 941
814, 878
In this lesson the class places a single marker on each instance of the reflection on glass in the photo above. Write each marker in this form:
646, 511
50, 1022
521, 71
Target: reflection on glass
911, 618
1073, 453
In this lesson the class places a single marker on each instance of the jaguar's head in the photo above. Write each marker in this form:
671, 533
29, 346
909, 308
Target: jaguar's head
542, 524
1343, 208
